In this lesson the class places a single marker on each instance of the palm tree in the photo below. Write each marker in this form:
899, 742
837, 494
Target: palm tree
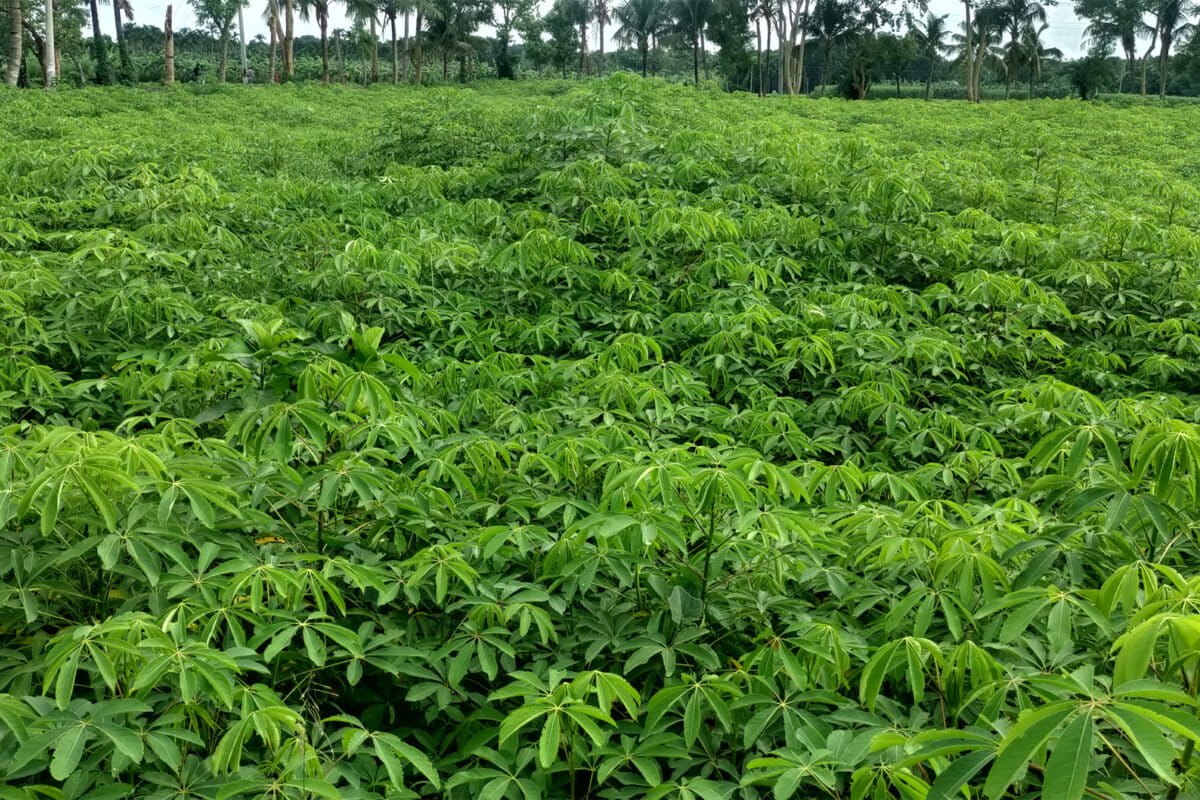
579, 12
512, 13
639, 22
1171, 17
271, 17
690, 18
319, 8
391, 9
931, 41
1122, 21
976, 46
756, 13
450, 25
600, 14
218, 15
417, 54
367, 11
832, 21
289, 39
1034, 52
119, 6
99, 49
15, 42
1017, 15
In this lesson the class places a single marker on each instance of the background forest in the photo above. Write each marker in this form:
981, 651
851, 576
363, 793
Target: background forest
850, 48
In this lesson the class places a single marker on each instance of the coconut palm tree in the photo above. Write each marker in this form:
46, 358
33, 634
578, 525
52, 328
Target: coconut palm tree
832, 22
579, 12
601, 15
1017, 16
319, 9
391, 10
416, 48
1034, 52
367, 11
271, 17
931, 41
99, 49
690, 18
639, 22
119, 7
1172, 24
978, 46
1121, 21
218, 15
450, 25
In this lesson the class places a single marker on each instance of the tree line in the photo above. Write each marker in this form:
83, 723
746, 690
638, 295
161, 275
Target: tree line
764, 46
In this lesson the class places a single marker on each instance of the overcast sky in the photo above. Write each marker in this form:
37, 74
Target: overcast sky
1065, 31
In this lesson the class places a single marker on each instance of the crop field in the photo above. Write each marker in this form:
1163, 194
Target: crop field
613, 441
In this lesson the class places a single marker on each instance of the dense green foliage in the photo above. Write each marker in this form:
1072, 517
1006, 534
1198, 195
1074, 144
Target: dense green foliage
617, 441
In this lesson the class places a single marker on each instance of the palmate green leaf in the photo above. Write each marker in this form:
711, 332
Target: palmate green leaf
1150, 740
950, 781
1070, 762
518, 719
126, 741
393, 752
548, 741
1022, 743
68, 750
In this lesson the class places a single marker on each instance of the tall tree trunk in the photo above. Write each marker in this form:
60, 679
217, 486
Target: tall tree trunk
323, 22
977, 61
696, 60
583, 50
51, 68
799, 55
223, 62
289, 38
767, 67
703, 54
929, 76
407, 50
897, 85
337, 49
276, 35
758, 55
968, 53
16, 42
1146, 59
242, 44
600, 42
99, 50
644, 47
38, 45
445, 65
1164, 64
395, 55
374, 51
122, 46
785, 54
168, 51
417, 52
